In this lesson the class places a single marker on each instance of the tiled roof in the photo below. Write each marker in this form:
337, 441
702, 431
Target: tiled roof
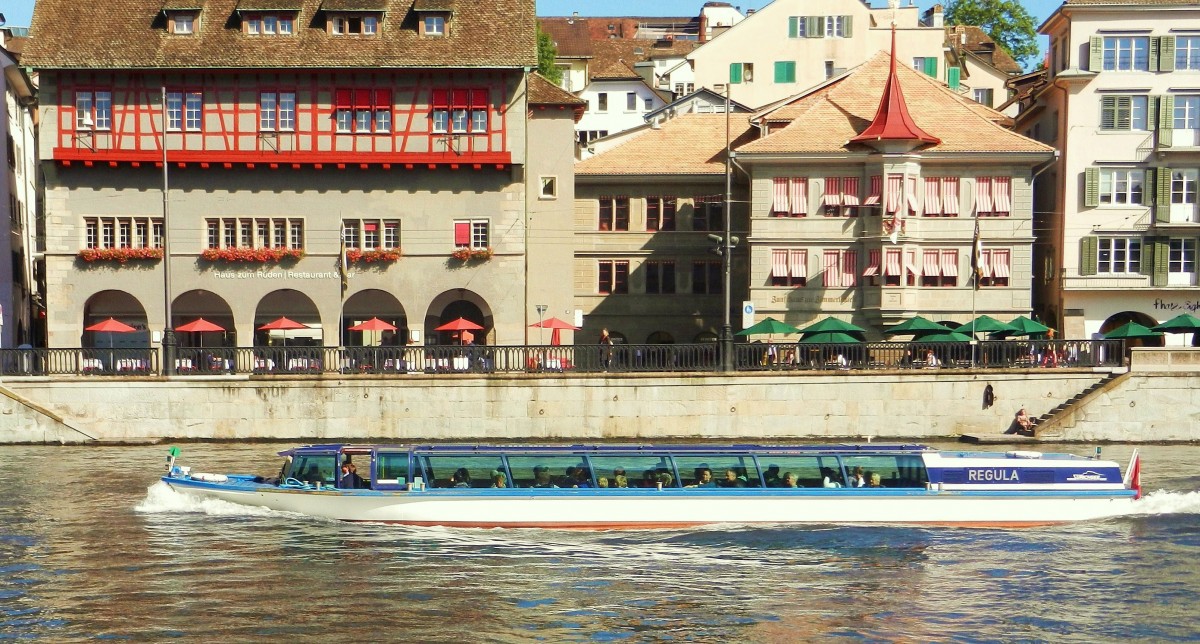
570, 36
689, 144
365, 5
130, 34
982, 45
434, 5
608, 54
615, 70
543, 92
265, 5
825, 120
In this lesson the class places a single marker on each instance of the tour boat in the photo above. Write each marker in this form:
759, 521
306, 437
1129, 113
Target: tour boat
647, 486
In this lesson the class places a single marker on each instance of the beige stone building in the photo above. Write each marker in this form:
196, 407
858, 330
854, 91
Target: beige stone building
324, 161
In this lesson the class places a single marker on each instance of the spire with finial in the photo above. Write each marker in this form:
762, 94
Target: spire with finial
892, 122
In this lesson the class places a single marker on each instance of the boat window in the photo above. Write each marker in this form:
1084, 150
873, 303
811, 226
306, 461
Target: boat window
470, 471
900, 471
315, 468
550, 471
796, 471
391, 468
642, 471
727, 470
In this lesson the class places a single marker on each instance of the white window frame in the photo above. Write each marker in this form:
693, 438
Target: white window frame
435, 25
1187, 53
1124, 255
1112, 193
1187, 112
441, 120
480, 234
193, 113
1121, 54
835, 26
548, 187
1134, 118
183, 24
174, 111
1181, 261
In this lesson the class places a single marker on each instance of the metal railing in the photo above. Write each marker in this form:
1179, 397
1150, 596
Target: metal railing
541, 359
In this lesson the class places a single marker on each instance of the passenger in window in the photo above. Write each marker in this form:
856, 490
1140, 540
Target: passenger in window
663, 479
460, 478
732, 479
703, 478
856, 478
829, 478
602, 481
499, 479
789, 480
583, 478
619, 479
649, 479
541, 477
771, 476
350, 479
875, 480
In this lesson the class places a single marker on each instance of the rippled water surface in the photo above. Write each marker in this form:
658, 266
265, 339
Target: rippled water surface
91, 547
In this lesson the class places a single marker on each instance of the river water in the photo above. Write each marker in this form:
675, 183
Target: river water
92, 547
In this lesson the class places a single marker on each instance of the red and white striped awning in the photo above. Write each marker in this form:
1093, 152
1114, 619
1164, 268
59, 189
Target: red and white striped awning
892, 266
894, 185
1002, 194
849, 191
1000, 266
872, 264
799, 263
833, 191
983, 194
984, 264
798, 195
950, 195
950, 263
931, 264
779, 195
779, 263
933, 196
876, 190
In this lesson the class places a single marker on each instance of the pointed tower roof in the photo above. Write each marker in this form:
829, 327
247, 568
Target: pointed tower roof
892, 122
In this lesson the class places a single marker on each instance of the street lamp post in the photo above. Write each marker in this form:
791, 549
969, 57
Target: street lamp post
168, 339
541, 309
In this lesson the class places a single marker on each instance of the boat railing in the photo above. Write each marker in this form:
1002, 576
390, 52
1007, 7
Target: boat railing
549, 360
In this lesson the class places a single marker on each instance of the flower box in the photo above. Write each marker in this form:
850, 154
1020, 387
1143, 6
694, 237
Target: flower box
373, 256
464, 254
251, 255
120, 255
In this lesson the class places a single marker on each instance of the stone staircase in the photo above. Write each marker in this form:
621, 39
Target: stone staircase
1046, 425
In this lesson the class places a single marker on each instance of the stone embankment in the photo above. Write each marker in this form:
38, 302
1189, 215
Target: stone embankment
1156, 401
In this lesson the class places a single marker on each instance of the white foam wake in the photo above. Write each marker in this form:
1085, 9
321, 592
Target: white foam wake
1164, 502
161, 499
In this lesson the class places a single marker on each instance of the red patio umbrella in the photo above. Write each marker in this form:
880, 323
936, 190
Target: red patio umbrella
284, 324
557, 325
199, 325
111, 325
461, 324
374, 324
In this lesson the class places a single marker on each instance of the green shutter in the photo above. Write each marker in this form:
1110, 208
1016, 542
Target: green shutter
814, 27
1152, 64
1091, 190
1166, 54
794, 27
1162, 253
931, 67
1162, 195
785, 71
1151, 113
953, 77
1108, 113
848, 21
1166, 120
735, 73
1088, 253
1146, 267
1095, 53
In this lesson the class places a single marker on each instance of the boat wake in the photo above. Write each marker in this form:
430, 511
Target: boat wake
161, 499
1164, 502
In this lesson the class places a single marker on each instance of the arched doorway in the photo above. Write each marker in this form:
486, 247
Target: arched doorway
124, 308
193, 305
1118, 319
454, 304
295, 306
373, 303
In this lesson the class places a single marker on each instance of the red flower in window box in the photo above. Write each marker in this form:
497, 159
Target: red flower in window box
251, 255
464, 254
373, 256
120, 255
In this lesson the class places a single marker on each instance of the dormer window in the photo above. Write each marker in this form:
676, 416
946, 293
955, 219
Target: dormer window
268, 24
183, 23
433, 17
435, 26
354, 24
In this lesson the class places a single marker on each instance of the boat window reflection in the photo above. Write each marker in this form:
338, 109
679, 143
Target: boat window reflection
615, 472
315, 468
464, 471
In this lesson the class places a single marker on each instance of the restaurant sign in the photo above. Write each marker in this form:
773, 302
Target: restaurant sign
278, 275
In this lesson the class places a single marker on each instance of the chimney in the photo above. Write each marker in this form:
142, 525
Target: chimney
936, 16
573, 18
702, 34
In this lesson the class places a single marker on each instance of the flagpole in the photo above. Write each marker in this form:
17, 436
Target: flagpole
168, 339
976, 260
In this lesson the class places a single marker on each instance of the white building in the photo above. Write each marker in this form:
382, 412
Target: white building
1118, 224
18, 194
617, 99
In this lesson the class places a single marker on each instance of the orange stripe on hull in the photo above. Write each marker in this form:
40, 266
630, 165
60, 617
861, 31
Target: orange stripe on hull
666, 525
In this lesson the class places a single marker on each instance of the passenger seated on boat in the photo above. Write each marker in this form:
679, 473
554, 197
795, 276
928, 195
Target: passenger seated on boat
460, 478
771, 476
857, 479
649, 479
664, 479
350, 480
541, 477
619, 479
789, 480
732, 479
874, 480
602, 481
830, 479
583, 478
703, 478
498, 479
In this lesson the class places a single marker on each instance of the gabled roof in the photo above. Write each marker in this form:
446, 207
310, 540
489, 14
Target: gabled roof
543, 92
614, 70
825, 119
570, 36
703, 92
691, 144
969, 39
130, 34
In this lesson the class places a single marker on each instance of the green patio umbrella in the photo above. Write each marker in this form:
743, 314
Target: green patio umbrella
1131, 331
985, 324
948, 336
1024, 326
769, 326
832, 325
829, 337
1185, 323
916, 325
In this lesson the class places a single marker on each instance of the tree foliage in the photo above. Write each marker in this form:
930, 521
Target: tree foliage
546, 54
1005, 21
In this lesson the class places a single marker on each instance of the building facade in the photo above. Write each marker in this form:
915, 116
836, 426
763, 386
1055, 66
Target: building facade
327, 162
20, 294
1117, 216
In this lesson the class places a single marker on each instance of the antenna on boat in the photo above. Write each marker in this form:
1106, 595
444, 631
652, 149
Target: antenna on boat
1098, 450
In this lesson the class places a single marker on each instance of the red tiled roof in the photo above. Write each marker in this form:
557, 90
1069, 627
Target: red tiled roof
130, 34
688, 144
570, 36
982, 46
543, 92
825, 120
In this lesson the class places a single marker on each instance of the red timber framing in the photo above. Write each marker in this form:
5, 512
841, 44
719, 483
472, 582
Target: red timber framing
230, 132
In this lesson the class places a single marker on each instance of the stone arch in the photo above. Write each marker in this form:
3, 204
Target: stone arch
199, 303
1117, 319
295, 305
660, 337
459, 303
121, 306
373, 303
